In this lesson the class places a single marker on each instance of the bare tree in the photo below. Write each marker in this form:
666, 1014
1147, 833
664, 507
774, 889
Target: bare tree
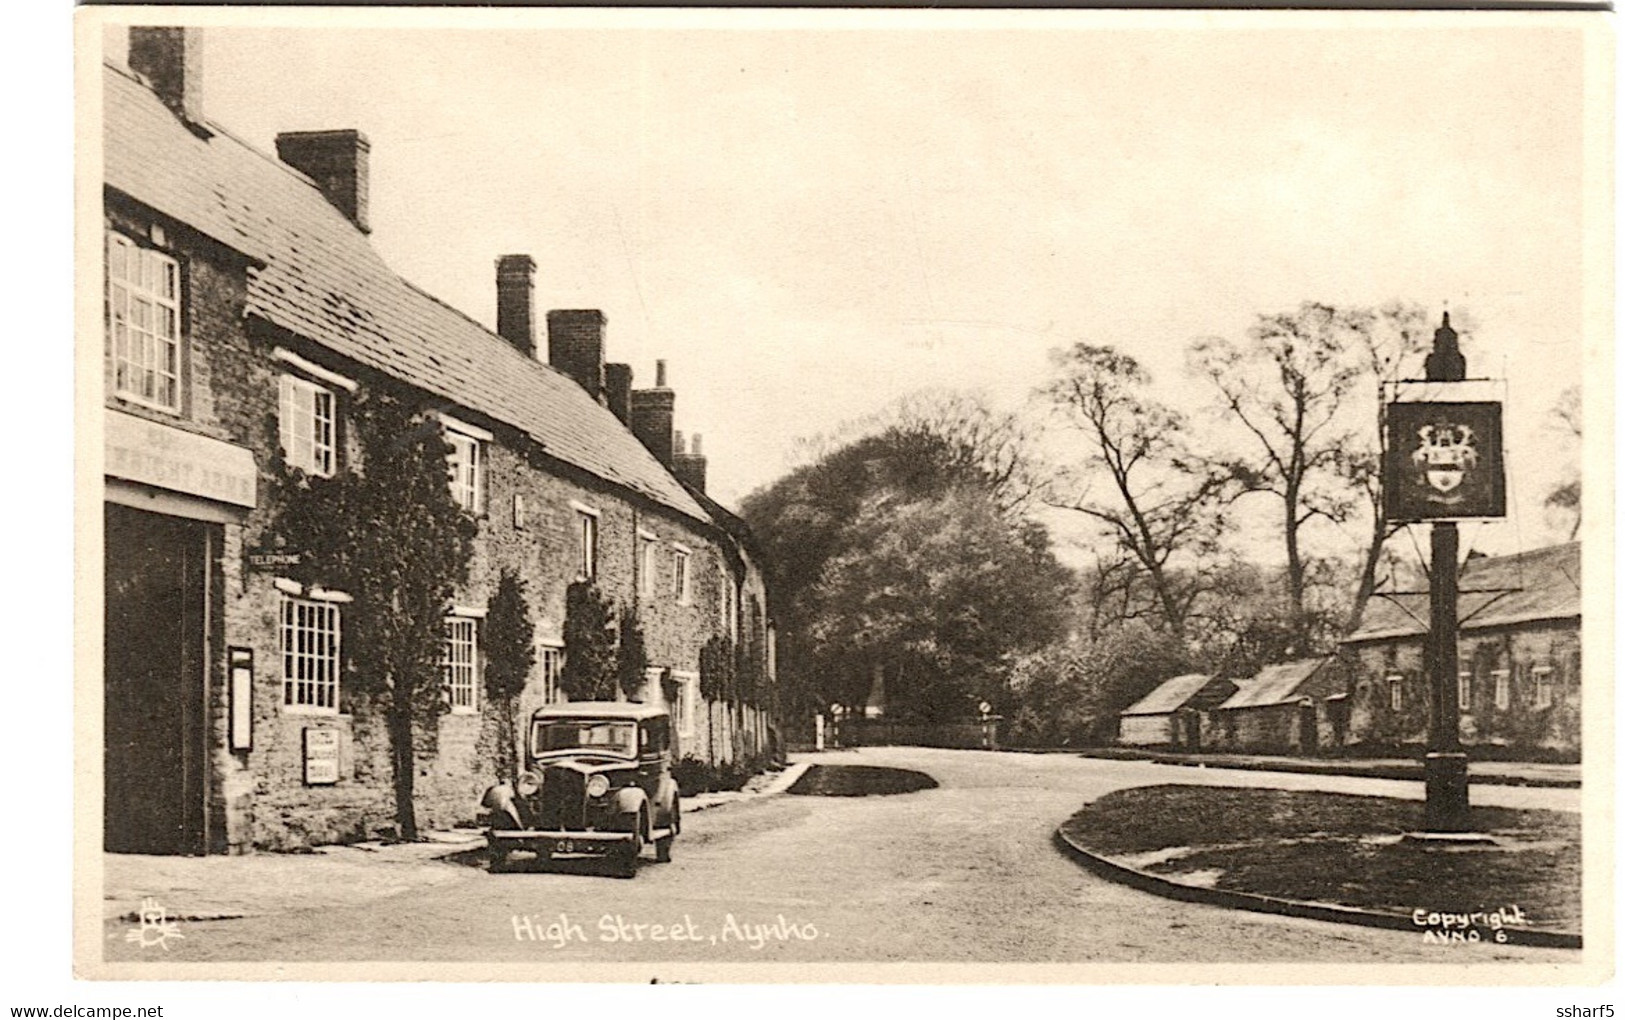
1565, 419
1286, 387
1140, 481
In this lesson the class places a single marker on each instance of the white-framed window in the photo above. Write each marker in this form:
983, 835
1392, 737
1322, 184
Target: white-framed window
687, 708
309, 635
466, 465
680, 581
551, 658
586, 528
648, 563
1396, 692
308, 417
730, 617
519, 511
1503, 688
144, 315
1464, 690
1543, 686
459, 663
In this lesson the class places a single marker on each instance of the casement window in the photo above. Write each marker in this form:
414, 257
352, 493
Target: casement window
586, 533
680, 582
459, 663
466, 465
1464, 690
144, 315
1543, 686
1503, 688
308, 416
309, 645
552, 663
687, 707
1396, 693
648, 563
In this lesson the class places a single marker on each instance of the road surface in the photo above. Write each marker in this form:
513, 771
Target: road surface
964, 872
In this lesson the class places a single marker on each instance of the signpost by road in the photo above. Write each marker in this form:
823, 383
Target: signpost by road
1442, 462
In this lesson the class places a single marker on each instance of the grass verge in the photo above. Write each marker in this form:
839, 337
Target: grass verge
1340, 849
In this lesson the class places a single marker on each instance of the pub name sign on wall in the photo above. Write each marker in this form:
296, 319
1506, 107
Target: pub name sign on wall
1442, 460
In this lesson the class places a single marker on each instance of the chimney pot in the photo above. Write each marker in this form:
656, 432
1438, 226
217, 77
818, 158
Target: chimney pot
516, 285
338, 162
171, 60
575, 346
694, 445
660, 374
689, 465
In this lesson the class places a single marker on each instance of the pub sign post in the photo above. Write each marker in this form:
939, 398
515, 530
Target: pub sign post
1442, 462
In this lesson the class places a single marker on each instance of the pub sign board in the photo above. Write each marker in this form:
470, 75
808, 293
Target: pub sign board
1442, 460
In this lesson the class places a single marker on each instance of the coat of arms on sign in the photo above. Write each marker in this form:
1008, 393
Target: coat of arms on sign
1443, 461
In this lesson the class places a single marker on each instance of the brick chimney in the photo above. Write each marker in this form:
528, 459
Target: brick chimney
516, 285
689, 466
337, 162
575, 346
171, 60
618, 390
652, 414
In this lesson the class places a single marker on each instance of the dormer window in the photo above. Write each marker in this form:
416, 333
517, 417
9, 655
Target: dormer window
143, 314
466, 463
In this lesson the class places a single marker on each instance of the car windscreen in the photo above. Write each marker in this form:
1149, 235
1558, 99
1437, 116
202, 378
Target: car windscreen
585, 734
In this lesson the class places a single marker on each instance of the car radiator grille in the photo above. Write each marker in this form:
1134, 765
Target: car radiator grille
563, 799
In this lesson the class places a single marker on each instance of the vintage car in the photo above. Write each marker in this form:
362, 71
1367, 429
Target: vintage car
597, 782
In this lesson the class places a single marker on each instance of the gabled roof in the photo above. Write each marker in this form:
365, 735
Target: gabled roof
1274, 685
317, 276
1496, 591
1170, 695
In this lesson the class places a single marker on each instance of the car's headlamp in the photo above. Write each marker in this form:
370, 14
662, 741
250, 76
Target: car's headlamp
528, 784
597, 786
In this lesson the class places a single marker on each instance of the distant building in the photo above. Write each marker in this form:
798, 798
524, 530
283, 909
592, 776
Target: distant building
1518, 690
245, 312
1282, 710
1170, 716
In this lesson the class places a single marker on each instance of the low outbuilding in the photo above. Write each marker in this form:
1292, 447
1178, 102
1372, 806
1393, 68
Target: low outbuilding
1171, 715
1288, 708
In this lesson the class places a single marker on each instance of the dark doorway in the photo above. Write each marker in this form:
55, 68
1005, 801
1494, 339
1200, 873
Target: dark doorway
155, 709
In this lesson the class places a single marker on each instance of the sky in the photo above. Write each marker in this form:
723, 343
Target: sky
807, 224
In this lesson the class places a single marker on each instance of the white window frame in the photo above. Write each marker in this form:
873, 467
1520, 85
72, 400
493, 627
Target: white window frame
146, 354
309, 671
687, 707
648, 562
1464, 690
1503, 688
1544, 692
1396, 692
550, 660
314, 452
586, 540
682, 574
465, 465
460, 663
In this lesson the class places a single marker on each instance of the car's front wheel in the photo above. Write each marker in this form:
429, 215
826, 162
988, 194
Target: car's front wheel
663, 844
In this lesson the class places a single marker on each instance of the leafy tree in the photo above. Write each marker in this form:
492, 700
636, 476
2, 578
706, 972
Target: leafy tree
589, 670
1070, 693
1160, 505
631, 655
933, 595
390, 534
510, 652
819, 524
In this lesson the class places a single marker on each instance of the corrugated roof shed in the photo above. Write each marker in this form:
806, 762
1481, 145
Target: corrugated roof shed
1274, 685
1497, 591
1170, 695
317, 276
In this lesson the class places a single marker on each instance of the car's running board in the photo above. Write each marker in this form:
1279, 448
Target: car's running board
661, 833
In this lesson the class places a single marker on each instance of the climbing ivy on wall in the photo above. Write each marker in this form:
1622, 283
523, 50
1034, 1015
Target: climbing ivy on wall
388, 533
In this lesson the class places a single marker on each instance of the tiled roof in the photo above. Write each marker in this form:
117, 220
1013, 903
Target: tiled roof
1541, 584
1274, 685
318, 276
1170, 695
